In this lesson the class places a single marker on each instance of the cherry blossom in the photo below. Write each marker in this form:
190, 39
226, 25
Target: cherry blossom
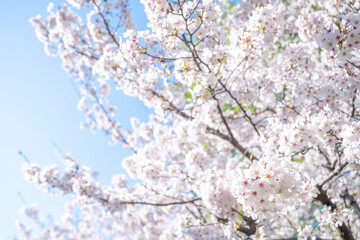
255, 128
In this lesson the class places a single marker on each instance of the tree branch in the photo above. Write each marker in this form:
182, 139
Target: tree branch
240, 106
239, 147
106, 24
153, 204
331, 175
211, 130
346, 195
345, 231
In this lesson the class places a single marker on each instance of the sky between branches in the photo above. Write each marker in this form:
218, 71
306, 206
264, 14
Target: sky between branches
38, 108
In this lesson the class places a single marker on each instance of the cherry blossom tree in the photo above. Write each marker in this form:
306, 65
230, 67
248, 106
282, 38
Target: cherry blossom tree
256, 125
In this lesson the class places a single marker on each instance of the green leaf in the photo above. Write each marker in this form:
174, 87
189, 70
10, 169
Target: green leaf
231, 5
315, 8
279, 46
188, 97
208, 95
206, 146
192, 86
236, 109
337, 23
319, 50
279, 96
227, 106
265, 63
233, 153
287, 2
251, 107
298, 160
225, 59
196, 40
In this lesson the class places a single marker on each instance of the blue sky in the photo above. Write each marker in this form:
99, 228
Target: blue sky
37, 105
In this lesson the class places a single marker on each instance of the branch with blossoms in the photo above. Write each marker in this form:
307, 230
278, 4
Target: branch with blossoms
352, 201
254, 132
325, 200
152, 204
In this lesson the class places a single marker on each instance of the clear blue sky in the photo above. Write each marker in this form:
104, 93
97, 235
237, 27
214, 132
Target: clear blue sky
37, 104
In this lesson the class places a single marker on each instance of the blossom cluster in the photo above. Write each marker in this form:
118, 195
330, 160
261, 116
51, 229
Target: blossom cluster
254, 131
271, 187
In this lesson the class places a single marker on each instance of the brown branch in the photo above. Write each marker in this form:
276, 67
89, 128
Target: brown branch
106, 24
324, 154
121, 137
345, 231
295, 238
211, 130
223, 119
153, 204
239, 147
248, 230
192, 12
162, 59
322, 196
353, 64
331, 175
233, 139
240, 106
353, 110
92, 57
346, 195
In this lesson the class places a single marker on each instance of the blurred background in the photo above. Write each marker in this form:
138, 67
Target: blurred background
38, 113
